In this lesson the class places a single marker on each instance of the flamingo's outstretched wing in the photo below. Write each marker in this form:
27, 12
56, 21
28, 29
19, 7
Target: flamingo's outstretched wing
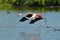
23, 19
33, 21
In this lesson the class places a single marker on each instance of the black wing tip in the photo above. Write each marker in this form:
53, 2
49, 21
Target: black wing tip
23, 19
32, 21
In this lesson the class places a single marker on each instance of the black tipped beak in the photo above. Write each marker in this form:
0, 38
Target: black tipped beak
40, 18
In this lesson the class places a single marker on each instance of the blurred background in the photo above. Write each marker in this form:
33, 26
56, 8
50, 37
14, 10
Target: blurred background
29, 4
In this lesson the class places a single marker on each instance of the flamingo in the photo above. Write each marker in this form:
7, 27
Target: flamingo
33, 16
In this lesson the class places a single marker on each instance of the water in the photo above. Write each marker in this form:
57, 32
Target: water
12, 29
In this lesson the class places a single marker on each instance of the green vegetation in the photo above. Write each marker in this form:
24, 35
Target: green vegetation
36, 3
18, 4
31, 2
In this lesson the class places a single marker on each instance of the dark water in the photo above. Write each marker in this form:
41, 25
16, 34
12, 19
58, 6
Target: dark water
12, 29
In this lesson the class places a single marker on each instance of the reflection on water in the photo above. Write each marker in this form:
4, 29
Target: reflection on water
12, 29
35, 9
28, 36
39, 9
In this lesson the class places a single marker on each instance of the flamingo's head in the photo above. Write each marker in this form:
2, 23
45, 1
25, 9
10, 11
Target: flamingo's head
38, 16
20, 14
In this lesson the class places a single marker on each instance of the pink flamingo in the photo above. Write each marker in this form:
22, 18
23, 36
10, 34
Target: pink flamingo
34, 17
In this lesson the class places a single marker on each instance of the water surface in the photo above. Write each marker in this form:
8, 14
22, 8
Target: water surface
12, 29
